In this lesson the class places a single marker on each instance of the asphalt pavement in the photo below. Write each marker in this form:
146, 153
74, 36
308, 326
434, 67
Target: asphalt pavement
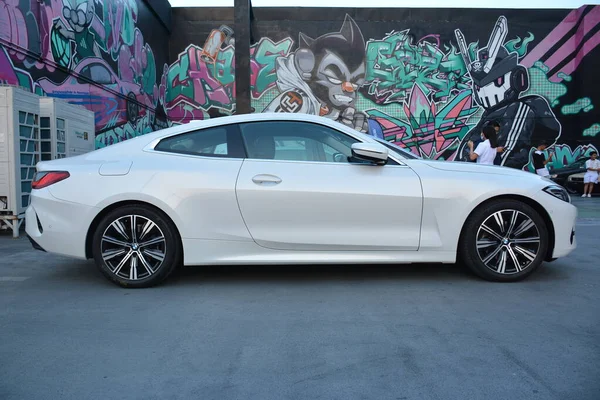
346, 332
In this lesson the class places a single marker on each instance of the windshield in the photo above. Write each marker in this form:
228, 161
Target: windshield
397, 149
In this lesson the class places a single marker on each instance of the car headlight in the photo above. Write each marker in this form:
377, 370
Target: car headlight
559, 192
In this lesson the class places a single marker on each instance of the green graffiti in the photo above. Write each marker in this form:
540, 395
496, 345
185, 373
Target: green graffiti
25, 80
541, 85
148, 78
542, 66
564, 76
563, 155
189, 87
521, 50
473, 48
224, 67
128, 28
395, 64
128, 131
592, 130
60, 47
430, 130
178, 73
581, 105
265, 55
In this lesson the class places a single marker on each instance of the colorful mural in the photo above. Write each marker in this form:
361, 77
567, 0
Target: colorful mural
430, 93
88, 53
431, 96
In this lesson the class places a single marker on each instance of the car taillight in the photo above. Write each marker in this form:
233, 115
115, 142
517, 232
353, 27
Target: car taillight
47, 178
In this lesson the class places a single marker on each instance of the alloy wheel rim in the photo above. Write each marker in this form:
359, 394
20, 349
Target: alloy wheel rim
508, 242
133, 247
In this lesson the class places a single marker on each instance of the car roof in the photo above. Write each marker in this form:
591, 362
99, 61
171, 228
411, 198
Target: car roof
150, 139
255, 117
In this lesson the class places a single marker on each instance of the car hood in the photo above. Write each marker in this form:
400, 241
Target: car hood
455, 166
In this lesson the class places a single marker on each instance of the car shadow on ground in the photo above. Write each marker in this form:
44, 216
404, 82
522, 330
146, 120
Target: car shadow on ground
343, 273
87, 274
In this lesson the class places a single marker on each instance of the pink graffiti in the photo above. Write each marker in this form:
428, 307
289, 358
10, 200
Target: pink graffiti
9, 75
189, 89
162, 88
7, 71
430, 129
116, 21
182, 113
198, 72
13, 26
263, 57
435, 36
133, 63
14, 29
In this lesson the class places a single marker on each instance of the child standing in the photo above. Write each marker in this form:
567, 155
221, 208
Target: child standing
591, 176
539, 160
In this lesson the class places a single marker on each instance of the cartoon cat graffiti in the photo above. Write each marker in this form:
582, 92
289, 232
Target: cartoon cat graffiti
498, 81
323, 76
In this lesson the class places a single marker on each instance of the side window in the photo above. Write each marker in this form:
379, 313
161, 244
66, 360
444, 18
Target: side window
297, 141
219, 141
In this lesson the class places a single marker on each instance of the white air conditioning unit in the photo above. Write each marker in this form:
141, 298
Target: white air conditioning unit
66, 129
19, 152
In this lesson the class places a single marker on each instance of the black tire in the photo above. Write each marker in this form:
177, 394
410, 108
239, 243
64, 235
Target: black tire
108, 255
473, 231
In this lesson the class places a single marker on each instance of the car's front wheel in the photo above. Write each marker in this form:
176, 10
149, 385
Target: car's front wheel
504, 241
136, 246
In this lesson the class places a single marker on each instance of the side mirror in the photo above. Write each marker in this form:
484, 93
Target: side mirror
372, 152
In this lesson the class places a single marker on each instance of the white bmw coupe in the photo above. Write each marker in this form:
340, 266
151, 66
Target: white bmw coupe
290, 189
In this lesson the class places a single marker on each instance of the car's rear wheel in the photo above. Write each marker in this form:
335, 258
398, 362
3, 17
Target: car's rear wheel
504, 241
136, 246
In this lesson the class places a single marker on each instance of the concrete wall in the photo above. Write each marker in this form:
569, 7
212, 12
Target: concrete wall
401, 75
103, 55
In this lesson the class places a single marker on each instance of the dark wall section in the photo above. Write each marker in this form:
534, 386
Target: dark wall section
102, 55
162, 11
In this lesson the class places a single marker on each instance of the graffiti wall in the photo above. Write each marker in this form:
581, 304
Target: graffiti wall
90, 53
427, 80
431, 91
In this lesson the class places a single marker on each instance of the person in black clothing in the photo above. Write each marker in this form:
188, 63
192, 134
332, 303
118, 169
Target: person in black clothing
498, 159
539, 160
500, 86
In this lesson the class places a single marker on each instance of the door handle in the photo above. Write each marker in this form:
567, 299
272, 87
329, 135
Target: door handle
266, 180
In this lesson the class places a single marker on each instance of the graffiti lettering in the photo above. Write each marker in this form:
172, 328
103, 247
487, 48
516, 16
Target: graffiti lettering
264, 54
395, 64
224, 68
563, 155
191, 87
127, 131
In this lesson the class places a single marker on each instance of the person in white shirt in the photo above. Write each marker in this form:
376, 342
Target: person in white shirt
486, 151
591, 176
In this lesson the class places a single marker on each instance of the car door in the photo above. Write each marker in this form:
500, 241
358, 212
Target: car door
195, 173
297, 190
